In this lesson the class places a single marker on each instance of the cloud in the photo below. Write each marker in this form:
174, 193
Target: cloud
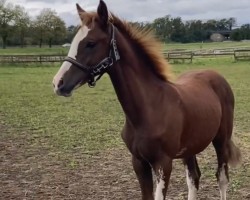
147, 10
70, 18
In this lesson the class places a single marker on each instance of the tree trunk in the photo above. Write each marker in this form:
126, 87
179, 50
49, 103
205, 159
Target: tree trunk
40, 44
50, 43
4, 38
22, 40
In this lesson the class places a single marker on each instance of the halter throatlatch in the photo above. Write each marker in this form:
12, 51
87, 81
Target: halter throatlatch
102, 66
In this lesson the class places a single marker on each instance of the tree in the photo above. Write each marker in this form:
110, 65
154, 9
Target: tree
222, 25
57, 31
71, 32
7, 18
163, 27
39, 30
178, 32
49, 27
245, 31
236, 35
210, 25
195, 31
242, 33
231, 22
22, 23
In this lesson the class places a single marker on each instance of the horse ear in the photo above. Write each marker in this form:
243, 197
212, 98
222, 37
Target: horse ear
102, 12
79, 10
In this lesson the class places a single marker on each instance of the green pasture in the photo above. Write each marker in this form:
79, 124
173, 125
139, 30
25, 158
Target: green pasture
92, 119
207, 45
57, 50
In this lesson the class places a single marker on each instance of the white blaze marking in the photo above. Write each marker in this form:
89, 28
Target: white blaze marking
81, 34
192, 191
160, 186
223, 183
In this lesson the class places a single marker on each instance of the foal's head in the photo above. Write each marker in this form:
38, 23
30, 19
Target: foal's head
90, 46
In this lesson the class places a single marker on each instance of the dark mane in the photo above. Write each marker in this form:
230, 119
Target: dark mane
147, 42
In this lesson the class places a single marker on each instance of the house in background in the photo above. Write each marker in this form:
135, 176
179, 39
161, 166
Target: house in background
220, 36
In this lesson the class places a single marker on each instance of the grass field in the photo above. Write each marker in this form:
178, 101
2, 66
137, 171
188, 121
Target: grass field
168, 46
91, 120
34, 51
207, 45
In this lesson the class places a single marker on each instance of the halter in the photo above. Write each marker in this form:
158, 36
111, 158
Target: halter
102, 66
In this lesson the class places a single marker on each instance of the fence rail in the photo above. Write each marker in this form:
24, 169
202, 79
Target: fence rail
31, 58
179, 55
242, 54
238, 54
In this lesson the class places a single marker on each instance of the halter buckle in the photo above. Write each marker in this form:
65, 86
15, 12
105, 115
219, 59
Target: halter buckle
92, 81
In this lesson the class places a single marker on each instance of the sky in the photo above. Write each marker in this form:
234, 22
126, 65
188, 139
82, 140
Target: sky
146, 10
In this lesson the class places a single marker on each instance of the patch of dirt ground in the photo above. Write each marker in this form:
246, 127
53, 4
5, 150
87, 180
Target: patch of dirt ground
33, 172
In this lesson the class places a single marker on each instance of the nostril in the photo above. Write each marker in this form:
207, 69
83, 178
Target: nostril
60, 83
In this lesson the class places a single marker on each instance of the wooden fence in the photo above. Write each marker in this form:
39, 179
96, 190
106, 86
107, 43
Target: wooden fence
30, 58
179, 55
238, 54
242, 54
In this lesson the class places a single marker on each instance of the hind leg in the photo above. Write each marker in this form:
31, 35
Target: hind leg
193, 176
222, 170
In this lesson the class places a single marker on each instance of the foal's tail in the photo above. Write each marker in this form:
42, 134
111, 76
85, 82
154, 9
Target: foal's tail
234, 154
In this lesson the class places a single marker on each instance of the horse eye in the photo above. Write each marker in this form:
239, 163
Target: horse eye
90, 45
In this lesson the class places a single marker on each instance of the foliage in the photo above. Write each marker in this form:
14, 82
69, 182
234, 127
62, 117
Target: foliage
236, 35
7, 17
22, 23
71, 32
170, 29
163, 27
242, 33
50, 27
17, 28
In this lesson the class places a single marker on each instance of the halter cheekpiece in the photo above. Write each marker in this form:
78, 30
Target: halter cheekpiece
102, 66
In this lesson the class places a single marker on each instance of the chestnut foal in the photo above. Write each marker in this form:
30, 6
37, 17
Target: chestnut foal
164, 120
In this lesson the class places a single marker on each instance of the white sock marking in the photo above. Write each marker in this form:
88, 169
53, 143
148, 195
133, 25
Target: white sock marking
160, 186
223, 183
81, 34
192, 191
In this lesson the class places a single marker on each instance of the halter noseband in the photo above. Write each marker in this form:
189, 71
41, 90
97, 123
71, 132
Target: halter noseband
102, 66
